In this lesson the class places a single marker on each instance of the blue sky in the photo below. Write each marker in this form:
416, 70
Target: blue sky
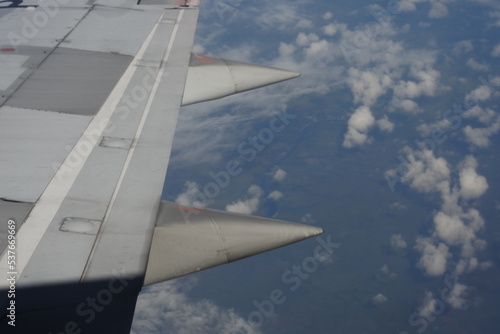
391, 149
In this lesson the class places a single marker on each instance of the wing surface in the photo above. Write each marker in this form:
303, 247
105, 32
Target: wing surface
90, 99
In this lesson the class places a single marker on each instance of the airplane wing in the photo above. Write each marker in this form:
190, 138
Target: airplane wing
90, 93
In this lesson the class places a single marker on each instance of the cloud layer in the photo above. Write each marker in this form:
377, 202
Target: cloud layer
166, 308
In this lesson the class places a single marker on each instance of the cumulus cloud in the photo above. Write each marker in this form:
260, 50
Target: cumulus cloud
429, 306
472, 63
482, 93
317, 48
483, 115
397, 242
438, 8
480, 137
275, 195
385, 125
424, 171
426, 130
425, 83
472, 185
460, 230
286, 50
192, 196
367, 86
456, 296
166, 308
327, 15
434, 257
405, 105
305, 24
379, 299
249, 205
358, 126
454, 225
278, 15
330, 29
279, 175
477, 137
304, 40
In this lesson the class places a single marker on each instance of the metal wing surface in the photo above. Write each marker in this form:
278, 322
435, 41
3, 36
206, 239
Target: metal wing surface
90, 93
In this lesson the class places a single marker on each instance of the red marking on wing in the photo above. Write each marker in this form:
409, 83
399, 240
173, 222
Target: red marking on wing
183, 208
204, 59
7, 49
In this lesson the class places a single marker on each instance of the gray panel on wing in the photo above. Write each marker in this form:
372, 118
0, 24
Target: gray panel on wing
29, 158
15, 211
71, 81
16, 64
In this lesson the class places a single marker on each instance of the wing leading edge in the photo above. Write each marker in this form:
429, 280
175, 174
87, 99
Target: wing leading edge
97, 121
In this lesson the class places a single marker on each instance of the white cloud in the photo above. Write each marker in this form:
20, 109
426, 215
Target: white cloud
367, 86
407, 6
425, 171
198, 48
165, 308
192, 196
286, 49
317, 48
305, 40
454, 225
249, 205
429, 306
426, 130
483, 115
327, 15
434, 257
496, 51
481, 93
276, 195
305, 24
438, 9
330, 29
480, 137
397, 242
472, 185
385, 125
426, 84
407, 105
456, 296
358, 126
379, 299
459, 230
362, 119
279, 175
272, 15
472, 63
496, 15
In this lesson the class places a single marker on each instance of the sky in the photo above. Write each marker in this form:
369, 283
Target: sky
389, 145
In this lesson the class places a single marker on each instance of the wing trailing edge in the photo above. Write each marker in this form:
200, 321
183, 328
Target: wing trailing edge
187, 240
211, 78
